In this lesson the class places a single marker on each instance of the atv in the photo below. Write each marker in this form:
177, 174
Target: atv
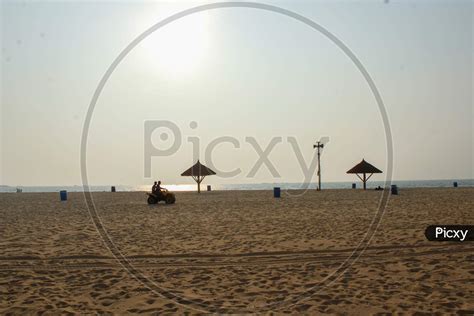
163, 195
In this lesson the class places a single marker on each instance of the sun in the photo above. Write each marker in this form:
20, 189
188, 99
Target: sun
179, 48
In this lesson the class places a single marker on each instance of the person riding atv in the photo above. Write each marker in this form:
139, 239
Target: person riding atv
160, 194
156, 188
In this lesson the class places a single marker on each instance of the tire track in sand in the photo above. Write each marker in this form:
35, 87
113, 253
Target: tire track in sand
215, 260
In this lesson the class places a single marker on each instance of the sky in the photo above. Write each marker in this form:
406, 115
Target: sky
233, 80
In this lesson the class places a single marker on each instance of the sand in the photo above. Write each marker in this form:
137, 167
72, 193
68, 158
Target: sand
235, 252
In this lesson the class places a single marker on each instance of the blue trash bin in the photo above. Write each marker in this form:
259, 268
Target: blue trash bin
276, 192
455, 184
394, 189
63, 195
353, 185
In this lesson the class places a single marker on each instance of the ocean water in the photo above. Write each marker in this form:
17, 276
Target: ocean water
247, 186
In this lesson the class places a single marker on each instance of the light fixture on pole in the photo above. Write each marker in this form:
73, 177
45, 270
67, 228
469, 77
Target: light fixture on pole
319, 146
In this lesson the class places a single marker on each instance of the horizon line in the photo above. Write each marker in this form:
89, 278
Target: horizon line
249, 183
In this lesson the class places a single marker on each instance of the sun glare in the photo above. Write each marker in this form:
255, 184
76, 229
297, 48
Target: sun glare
180, 47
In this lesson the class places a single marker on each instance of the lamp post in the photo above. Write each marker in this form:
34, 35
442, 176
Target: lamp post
319, 146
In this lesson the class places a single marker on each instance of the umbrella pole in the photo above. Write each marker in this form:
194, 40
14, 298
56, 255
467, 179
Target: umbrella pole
365, 180
199, 184
199, 180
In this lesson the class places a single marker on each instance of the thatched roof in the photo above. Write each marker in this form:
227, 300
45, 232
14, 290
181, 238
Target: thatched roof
364, 167
198, 170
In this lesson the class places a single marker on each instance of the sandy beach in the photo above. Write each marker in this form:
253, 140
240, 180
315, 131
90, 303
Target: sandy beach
236, 252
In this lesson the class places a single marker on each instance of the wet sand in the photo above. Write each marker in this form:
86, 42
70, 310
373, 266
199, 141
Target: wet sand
235, 252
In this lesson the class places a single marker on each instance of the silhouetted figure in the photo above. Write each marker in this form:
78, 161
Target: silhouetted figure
158, 187
156, 190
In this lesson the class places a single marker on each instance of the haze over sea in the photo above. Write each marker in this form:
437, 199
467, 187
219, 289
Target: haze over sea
247, 186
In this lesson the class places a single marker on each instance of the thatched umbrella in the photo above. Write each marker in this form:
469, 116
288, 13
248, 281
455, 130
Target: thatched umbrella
198, 172
364, 167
